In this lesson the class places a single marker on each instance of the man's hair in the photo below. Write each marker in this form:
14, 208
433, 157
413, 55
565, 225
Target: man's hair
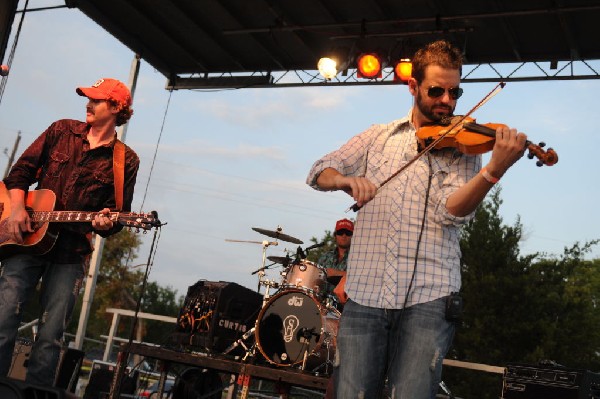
124, 113
440, 53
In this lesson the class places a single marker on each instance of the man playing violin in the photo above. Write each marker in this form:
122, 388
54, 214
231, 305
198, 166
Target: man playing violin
405, 258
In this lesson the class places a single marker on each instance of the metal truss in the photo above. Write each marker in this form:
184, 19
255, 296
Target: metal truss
472, 73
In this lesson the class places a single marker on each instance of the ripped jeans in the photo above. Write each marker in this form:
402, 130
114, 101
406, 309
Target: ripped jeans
60, 289
406, 346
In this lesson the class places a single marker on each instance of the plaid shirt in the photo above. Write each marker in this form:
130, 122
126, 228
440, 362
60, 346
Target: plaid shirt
386, 233
329, 259
61, 160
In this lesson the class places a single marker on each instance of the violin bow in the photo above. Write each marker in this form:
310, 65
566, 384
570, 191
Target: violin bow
431, 145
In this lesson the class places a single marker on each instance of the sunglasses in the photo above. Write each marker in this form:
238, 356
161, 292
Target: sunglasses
342, 232
453, 92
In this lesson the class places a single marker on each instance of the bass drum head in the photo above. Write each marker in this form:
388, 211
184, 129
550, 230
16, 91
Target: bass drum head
288, 327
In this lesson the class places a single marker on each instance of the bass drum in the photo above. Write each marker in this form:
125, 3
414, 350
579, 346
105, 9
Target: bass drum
294, 328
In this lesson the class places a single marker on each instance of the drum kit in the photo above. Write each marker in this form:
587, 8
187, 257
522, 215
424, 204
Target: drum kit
296, 326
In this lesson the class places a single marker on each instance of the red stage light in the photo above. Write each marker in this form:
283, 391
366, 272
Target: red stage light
368, 66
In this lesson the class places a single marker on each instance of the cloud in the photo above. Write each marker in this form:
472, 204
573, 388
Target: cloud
204, 149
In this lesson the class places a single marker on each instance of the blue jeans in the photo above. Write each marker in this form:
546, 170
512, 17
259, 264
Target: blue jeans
60, 289
406, 346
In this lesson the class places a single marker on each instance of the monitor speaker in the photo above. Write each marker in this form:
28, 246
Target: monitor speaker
20, 360
67, 373
523, 381
15, 389
101, 378
69, 367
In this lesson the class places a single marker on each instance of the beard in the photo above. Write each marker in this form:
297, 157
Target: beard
428, 111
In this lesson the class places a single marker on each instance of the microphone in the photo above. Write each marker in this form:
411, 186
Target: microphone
306, 333
300, 254
321, 244
4, 70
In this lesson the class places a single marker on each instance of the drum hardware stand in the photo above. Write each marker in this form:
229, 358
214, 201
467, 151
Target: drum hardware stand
328, 362
251, 350
261, 270
446, 390
240, 342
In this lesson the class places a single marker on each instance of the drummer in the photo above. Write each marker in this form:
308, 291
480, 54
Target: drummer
334, 261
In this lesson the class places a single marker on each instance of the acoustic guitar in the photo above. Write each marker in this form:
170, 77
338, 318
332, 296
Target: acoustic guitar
40, 205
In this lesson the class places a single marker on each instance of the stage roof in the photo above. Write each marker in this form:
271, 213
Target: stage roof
274, 43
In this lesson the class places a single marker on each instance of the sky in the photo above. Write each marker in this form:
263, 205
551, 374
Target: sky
215, 164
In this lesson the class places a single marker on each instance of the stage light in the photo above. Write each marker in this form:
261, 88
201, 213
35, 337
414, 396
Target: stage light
403, 70
327, 67
368, 66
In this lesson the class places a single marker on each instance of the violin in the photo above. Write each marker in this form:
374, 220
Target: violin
471, 138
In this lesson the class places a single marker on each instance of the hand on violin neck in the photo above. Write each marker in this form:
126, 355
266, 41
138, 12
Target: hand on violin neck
509, 147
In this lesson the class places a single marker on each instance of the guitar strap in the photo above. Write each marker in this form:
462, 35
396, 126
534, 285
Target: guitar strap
119, 172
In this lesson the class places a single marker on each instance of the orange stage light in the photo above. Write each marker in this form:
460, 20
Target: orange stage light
403, 70
368, 66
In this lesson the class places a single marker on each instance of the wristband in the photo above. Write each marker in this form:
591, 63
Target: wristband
487, 176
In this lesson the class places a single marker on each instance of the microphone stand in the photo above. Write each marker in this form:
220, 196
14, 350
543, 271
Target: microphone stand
123, 357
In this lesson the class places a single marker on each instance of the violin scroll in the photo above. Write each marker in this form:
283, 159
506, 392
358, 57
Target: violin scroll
545, 157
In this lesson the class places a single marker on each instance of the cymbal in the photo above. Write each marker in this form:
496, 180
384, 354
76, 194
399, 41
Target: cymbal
250, 242
278, 235
284, 260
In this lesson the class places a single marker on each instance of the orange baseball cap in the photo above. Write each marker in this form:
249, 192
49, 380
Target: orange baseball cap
107, 89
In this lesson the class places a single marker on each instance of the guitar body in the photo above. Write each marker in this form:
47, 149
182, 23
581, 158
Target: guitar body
41, 240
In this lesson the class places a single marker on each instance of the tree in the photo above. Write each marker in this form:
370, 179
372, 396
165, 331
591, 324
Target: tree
314, 254
162, 301
118, 286
520, 309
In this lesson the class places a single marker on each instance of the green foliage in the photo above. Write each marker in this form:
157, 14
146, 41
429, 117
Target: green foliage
162, 301
314, 254
118, 285
521, 309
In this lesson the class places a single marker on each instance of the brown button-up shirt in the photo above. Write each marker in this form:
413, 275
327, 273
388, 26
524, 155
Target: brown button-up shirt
61, 160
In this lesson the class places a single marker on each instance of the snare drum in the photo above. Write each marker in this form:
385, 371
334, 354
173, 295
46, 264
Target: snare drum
307, 276
295, 328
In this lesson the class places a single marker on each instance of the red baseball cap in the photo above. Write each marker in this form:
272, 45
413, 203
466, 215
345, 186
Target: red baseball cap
344, 224
107, 89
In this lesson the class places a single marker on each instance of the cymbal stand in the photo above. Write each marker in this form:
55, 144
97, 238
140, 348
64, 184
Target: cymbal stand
261, 271
250, 351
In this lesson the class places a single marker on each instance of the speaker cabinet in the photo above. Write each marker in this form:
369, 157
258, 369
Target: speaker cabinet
67, 373
15, 389
101, 377
69, 367
532, 382
20, 360
215, 314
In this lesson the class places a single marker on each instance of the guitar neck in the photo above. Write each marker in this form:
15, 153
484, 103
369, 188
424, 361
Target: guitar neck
68, 216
